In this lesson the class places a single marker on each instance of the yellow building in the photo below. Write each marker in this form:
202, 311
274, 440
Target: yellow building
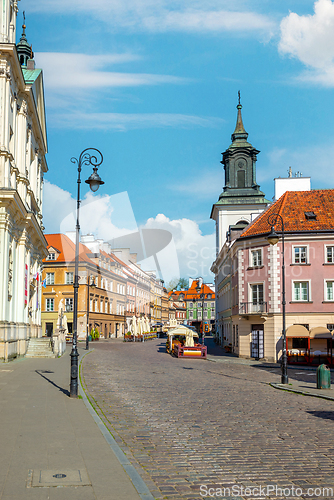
101, 294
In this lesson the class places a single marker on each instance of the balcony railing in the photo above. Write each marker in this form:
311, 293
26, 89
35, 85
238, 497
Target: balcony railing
252, 308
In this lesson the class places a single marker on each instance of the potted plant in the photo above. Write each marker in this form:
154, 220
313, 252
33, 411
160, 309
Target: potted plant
96, 335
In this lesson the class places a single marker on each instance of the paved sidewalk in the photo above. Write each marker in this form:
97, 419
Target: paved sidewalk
45, 433
306, 389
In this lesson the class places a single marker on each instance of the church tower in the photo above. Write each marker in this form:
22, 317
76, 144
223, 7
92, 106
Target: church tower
241, 200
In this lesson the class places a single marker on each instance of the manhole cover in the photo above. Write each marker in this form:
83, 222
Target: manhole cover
56, 478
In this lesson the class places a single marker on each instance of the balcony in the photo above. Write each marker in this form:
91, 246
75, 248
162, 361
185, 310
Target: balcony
252, 308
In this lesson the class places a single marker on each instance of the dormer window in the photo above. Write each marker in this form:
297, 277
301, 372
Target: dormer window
310, 216
51, 256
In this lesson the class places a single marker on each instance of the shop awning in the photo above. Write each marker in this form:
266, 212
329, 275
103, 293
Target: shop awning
297, 331
320, 332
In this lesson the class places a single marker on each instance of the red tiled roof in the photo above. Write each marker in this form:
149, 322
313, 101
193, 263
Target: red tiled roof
192, 294
66, 248
291, 206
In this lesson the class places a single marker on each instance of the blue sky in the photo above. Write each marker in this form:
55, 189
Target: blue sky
153, 84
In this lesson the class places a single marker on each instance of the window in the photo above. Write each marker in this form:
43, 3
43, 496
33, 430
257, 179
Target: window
101, 305
237, 335
106, 307
300, 255
96, 306
190, 305
50, 304
330, 255
257, 294
50, 278
190, 314
301, 291
256, 258
212, 305
91, 304
110, 305
69, 304
205, 314
329, 290
330, 327
51, 256
69, 278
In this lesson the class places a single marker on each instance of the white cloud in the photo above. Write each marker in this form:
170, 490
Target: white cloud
190, 253
65, 72
195, 251
311, 40
123, 121
103, 215
163, 15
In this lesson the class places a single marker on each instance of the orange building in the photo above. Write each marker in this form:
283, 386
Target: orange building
101, 294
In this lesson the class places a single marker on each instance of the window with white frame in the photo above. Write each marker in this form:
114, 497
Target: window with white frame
330, 255
111, 286
51, 256
69, 304
190, 305
205, 314
50, 278
110, 307
106, 307
69, 278
301, 291
96, 305
257, 293
190, 314
330, 290
91, 304
101, 305
300, 255
256, 258
50, 304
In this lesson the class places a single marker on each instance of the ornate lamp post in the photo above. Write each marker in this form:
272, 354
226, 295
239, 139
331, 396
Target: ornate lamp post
89, 156
273, 238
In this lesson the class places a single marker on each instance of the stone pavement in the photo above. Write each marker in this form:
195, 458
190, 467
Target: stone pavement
45, 433
189, 424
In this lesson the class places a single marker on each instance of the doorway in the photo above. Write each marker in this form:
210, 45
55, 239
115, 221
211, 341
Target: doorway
257, 343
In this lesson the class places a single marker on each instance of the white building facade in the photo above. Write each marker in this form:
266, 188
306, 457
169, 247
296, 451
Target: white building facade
23, 145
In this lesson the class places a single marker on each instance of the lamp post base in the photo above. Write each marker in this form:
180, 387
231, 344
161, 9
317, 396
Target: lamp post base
74, 374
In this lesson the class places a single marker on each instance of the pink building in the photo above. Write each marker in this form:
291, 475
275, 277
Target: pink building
249, 272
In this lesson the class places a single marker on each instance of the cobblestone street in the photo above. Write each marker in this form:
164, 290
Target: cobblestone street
187, 423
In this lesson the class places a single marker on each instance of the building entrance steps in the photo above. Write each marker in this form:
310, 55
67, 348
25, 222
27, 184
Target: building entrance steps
40, 348
51, 447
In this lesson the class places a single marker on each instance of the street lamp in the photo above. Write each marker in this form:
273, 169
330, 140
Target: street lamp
201, 298
273, 238
91, 285
89, 156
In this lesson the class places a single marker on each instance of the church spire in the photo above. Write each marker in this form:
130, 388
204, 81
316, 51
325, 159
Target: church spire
239, 133
24, 50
